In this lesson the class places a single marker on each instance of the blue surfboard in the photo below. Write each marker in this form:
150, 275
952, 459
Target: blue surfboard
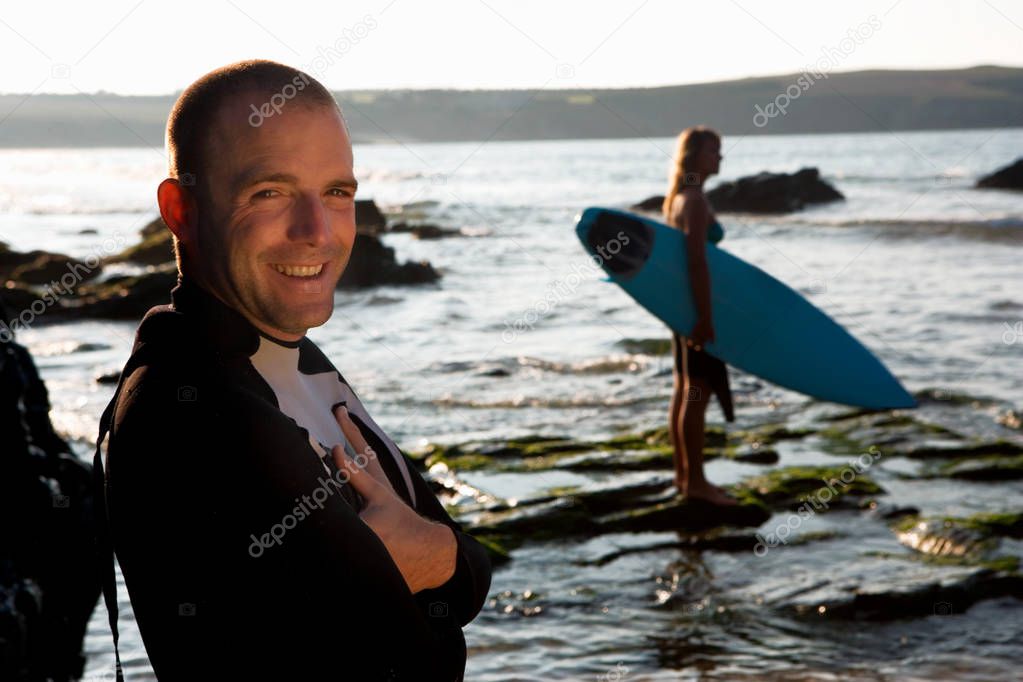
761, 325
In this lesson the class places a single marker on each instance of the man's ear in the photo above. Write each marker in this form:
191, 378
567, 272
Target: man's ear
179, 209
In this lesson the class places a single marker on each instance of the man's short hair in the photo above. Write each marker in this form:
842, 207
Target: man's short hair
268, 84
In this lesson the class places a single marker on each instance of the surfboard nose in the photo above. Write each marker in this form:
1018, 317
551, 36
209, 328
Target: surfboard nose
622, 243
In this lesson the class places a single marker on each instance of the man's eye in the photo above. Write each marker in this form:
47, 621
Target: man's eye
265, 194
341, 192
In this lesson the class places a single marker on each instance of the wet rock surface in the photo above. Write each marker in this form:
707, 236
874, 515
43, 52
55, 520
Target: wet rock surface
837, 539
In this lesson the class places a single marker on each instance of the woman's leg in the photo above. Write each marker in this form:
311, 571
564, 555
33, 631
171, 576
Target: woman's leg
690, 480
689, 476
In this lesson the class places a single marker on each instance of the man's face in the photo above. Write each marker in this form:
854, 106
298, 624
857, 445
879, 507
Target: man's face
278, 229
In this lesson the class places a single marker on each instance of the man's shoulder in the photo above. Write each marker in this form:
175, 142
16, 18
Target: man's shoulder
170, 364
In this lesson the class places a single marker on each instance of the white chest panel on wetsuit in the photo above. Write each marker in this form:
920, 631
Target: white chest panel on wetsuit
308, 398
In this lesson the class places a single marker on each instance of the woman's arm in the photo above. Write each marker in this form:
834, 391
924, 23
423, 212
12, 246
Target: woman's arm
694, 219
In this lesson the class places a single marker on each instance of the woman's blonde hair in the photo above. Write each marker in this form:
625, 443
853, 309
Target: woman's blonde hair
690, 143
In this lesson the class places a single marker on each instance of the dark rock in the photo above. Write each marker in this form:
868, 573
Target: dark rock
888, 588
650, 204
984, 469
125, 297
997, 448
889, 512
762, 193
10, 259
757, 455
725, 542
373, 264
683, 515
1008, 177
368, 217
945, 537
647, 506
110, 378
42, 267
156, 247
424, 230
16, 299
555, 518
773, 192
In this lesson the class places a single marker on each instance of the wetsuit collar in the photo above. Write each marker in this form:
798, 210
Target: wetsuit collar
223, 326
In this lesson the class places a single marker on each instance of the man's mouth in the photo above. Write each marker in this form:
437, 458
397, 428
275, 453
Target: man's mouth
298, 270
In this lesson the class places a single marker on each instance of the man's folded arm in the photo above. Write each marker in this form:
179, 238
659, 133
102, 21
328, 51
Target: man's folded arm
212, 494
466, 591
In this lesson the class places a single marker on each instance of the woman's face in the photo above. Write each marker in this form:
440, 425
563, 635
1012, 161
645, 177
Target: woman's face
709, 159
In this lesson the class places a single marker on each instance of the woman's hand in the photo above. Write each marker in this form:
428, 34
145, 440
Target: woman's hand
702, 334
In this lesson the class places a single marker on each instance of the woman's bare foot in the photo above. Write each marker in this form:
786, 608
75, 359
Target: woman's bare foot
708, 492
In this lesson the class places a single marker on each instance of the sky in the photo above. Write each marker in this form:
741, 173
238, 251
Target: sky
152, 47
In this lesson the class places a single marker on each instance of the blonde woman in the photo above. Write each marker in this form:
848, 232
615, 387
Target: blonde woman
697, 374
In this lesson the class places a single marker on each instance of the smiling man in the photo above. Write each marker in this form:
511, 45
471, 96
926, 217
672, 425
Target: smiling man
264, 523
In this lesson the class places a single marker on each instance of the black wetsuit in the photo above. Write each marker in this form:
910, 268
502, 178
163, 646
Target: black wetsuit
203, 461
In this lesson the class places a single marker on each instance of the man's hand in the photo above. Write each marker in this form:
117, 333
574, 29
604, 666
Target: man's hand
359, 444
424, 551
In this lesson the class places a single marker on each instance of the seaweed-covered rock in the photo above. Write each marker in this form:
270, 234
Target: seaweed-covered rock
945, 537
973, 536
10, 259
660, 346
644, 451
156, 247
823, 487
988, 468
773, 192
886, 588
126, 297
58, 268
997, 448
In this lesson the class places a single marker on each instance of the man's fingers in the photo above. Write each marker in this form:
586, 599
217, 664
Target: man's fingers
361, 480
350, 430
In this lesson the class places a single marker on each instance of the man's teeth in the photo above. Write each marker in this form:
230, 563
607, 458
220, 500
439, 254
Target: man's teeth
299, 270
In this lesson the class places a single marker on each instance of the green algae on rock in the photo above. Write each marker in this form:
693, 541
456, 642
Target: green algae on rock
794, 486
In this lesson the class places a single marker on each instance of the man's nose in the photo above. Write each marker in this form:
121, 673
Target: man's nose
309, 222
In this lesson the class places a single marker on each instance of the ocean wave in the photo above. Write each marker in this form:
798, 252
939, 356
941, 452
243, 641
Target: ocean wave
928, 177
548, 403
1009, 228
82, 210
609, 364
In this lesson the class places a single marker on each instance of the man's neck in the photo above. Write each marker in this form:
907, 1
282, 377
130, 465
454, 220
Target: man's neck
275, 335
